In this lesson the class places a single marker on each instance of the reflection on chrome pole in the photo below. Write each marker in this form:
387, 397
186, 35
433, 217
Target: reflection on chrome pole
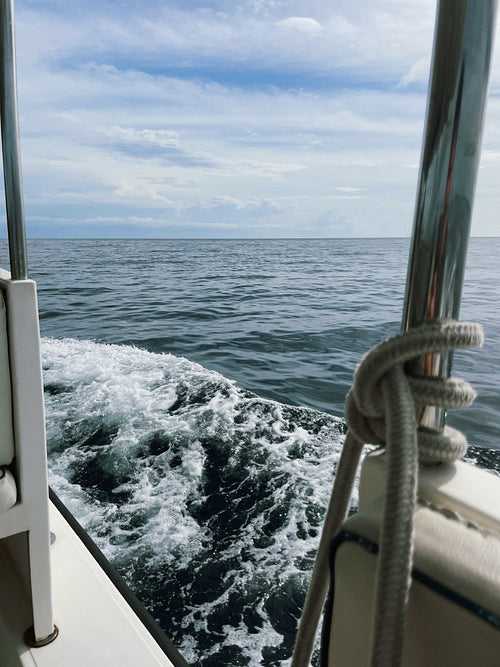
448, 172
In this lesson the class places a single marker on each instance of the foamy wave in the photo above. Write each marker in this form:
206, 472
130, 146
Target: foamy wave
207, 498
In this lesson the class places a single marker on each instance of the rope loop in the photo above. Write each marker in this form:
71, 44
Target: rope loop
382, 409
365, 408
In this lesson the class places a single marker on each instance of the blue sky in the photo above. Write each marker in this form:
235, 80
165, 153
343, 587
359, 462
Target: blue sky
261, 118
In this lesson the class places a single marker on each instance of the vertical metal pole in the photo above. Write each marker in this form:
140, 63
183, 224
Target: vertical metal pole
450, 159
10, 145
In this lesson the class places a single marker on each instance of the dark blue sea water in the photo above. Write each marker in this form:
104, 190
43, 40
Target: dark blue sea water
194, 399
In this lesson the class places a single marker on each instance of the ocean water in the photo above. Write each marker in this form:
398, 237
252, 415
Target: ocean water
194, 400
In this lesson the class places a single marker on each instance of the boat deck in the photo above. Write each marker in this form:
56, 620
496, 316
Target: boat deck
96, 625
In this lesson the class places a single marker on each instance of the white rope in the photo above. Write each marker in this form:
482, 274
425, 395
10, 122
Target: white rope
381, 410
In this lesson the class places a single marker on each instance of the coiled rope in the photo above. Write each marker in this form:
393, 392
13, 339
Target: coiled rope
381, 410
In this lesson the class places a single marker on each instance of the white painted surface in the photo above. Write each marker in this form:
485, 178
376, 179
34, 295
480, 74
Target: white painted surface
97, 628
457, 545
29, 467
472, 493
8, 490
6, 437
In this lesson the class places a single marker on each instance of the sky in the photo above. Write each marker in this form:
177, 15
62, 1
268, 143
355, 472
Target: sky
227, 119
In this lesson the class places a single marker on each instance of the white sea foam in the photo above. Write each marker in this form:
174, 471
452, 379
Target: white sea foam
186, 480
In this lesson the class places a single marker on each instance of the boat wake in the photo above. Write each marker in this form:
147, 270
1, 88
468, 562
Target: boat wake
207, 498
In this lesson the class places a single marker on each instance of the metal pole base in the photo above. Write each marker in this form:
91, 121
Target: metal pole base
30, 639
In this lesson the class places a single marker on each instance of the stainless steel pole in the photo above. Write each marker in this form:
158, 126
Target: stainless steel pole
10, 145
460, 70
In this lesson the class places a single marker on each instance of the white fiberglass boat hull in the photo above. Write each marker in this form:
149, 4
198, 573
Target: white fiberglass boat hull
96, 625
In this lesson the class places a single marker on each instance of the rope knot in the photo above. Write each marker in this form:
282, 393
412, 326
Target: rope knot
381, 409
382, 371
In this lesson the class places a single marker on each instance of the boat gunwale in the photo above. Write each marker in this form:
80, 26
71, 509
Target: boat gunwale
161, 639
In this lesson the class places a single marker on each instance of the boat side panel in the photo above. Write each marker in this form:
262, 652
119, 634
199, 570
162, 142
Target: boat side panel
440, 632
6, 436
30, 462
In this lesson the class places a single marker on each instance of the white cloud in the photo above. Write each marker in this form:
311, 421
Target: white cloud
172, 114
224, 202
386, 36
343, 197
419, 73
164, 138
305, 25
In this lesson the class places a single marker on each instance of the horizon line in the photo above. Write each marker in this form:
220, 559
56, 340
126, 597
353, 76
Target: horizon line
226, 238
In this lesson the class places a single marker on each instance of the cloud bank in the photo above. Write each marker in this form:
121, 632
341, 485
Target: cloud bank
259, 118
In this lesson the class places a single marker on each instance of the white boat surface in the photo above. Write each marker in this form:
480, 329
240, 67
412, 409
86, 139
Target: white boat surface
96, 624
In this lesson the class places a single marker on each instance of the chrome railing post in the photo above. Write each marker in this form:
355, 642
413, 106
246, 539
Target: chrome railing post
448, 170
10, 145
